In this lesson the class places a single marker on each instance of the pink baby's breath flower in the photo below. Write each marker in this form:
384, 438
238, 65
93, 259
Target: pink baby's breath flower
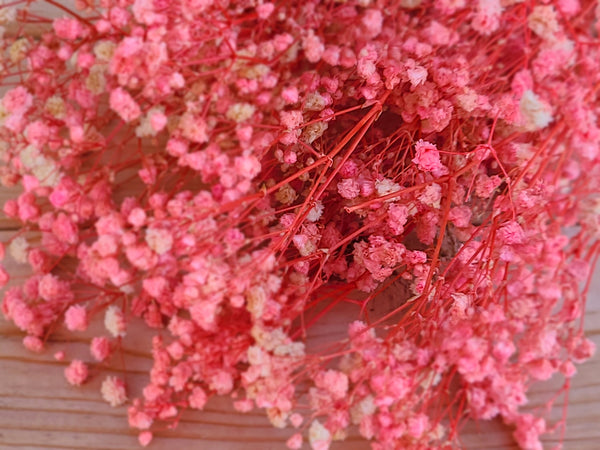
37, 133
397, 217
348, 188
431, 195
372, 21
331, 55
294, 442
291, 119
461, 216
290, 94
138, 419
76, 373
427, 157
334, 382
137, 217
269, 157
543, 22
569, 7
319, 436
144, 438
114, 321
50, 287
155, 286
113, 391
511, 233
313, 47
158, 120
528, 431
247, 166
106, 246
143, 256
240, 112
124, 105
487, 17
265, 10
417, 75
204, 314
159, 240
417, 425
33, 344
17, 100
69, 29
536, 113
485, 186
76, 318
198, 398
296, 420
194, 128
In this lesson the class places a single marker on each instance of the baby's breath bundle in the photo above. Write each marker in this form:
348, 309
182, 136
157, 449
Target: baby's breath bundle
229, 171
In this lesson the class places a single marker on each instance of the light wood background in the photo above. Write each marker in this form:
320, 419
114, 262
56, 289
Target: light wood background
39, 410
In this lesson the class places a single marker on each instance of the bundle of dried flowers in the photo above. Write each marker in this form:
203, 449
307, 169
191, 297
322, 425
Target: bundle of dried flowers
278, 156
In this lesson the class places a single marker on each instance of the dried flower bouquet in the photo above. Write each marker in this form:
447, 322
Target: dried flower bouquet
230, 171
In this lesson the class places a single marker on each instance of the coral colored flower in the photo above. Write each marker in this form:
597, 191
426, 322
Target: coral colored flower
76, 373
294, 442
348, 188
124, 105
536, 114
198, 398
427, 157
33, 343
76, 318
318, 436
69, 29
144, 438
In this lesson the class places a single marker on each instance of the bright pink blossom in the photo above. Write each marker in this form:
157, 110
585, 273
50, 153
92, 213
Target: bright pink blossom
427, 157
76, 318
124, 105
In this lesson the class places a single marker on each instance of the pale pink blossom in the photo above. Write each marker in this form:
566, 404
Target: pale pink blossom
198, 398
144, 438
313, 47
113, 391
76, 373
33, 344
348, 188
68, 28
114, 321
76, 318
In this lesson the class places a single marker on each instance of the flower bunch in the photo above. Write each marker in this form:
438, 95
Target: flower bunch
228, 171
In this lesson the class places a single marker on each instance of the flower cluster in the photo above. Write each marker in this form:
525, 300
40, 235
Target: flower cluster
218, 168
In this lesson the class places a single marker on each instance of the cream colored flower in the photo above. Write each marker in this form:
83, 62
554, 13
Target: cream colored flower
113, 391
